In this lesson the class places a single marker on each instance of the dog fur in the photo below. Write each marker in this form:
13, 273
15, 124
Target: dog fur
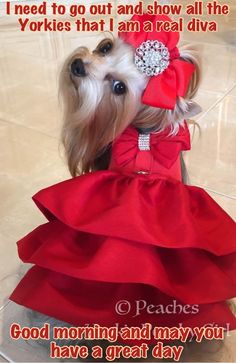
94, 115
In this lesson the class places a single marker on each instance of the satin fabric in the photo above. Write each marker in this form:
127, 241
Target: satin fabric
174, 81
165, 149
118, 235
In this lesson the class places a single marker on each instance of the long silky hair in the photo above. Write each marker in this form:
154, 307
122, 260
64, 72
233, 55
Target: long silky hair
94, 116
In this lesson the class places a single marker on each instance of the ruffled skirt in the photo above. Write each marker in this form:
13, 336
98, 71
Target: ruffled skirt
121, 249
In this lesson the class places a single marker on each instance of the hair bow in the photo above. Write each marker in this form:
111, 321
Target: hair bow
157, 56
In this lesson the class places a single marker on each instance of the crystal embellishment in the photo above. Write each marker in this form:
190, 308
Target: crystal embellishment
144, 142
152, 58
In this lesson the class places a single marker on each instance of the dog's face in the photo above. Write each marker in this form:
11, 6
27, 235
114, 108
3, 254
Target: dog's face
107, 83
107, 73
102, 91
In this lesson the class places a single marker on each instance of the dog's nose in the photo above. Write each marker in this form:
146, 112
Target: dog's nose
77, 68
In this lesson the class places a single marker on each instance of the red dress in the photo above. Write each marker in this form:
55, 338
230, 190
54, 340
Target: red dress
133, 232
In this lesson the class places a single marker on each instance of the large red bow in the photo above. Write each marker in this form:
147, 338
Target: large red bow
162, 90
165, 148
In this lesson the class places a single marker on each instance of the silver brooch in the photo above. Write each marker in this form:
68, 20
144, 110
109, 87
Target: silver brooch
144, 142
152, 57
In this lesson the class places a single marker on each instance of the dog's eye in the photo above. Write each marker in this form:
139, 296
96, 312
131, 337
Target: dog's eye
119, 88
105, 47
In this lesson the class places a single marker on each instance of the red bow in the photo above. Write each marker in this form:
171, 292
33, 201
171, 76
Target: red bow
165, 148
163, 89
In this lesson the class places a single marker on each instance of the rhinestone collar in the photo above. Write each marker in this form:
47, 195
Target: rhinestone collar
144, 142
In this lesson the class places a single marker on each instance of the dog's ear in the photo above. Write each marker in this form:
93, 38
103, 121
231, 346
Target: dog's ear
71, 131
67, 89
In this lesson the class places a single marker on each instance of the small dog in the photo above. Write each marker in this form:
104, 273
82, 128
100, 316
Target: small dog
101, 91
104, 91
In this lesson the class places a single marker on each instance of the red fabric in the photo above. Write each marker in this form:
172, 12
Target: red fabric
76, 301
94, 260
81, 302
162, 90
117, 235
163, 157
169, 39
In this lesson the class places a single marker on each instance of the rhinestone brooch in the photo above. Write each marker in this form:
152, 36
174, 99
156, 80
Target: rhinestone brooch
152, 58
144, 142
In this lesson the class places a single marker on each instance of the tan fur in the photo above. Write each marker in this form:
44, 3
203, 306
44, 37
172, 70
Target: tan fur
94, 116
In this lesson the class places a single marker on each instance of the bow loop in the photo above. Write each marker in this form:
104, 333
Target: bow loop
167, 90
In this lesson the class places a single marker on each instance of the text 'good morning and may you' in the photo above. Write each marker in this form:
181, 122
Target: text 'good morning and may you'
113, 335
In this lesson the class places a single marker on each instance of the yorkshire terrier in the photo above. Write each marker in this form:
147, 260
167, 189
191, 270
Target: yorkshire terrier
101, 91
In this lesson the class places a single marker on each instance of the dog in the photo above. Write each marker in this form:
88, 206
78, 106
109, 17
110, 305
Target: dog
101, 93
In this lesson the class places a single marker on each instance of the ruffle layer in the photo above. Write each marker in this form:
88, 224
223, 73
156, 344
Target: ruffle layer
81, 302
113, 237
181, 273
144, 209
